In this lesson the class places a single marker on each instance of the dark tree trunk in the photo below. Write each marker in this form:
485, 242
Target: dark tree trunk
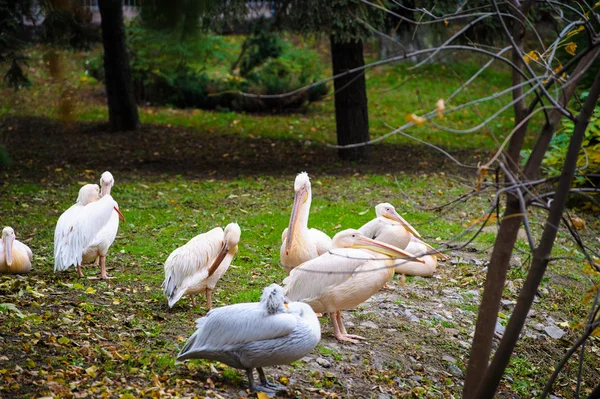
122, 110
351, 114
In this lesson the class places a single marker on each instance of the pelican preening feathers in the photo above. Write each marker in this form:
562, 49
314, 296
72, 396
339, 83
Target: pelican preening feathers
15, 257
98, 248
299, 243
356, 268
251, 336
79, 225
198, 265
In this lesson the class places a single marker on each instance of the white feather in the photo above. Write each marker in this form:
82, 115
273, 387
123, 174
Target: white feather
76, 228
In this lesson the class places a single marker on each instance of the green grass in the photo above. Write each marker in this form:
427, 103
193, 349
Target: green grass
389, 102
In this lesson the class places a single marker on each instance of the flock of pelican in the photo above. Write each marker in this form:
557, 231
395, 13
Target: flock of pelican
324, 275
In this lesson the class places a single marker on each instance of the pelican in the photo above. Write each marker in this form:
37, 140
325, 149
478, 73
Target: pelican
389, 227
198, 265
15, 257
299, 243
251, 336
356, 268
78, 225
99, 246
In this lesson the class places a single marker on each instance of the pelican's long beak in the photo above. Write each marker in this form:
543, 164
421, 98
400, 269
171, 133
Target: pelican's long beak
299, 199
385, 249
120, 215
395, 216
8, 250
435, 251
215, 265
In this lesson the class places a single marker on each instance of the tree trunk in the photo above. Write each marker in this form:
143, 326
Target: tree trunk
351, 114
122, 110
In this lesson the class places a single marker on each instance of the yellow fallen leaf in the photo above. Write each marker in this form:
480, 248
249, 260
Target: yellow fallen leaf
58, 170
262, 395
570, 48
116, 301
564, 324
440, 106
284, 380
417, 120
578, 223
446, 22
90, 290
91, 371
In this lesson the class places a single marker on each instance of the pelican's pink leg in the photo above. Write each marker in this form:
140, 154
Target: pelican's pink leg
343, 328
193, 300
79, 272
208, 298
337, 332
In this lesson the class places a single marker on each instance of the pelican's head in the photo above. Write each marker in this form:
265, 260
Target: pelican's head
387, 211
88, 194
8, 236
273, 299
302, 197
351, 238
232, 235
106, 182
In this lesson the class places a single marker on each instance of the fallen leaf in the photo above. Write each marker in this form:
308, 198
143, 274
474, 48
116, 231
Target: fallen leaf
417, 120
91, 371
571, 48
440, 108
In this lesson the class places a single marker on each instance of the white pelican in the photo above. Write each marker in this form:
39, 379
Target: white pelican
99, 246
15, 257
389, 227
78, 226
255, 335
198, 265
345, 277
299, 243
422, 251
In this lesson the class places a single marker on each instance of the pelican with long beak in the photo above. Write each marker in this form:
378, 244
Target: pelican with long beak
198, 265
299, 243
98, 248
15, 257
391, 228
346, 276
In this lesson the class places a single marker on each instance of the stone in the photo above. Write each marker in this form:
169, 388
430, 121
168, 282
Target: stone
369, 324
538, 327
323, 362
448, 359
507, 303
451, 331
499, 330
411, 317
554, 332
348, 324
416, 378
455, 370
307, 359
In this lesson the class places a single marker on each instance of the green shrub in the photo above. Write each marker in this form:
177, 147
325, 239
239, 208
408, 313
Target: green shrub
197, 72
589, 158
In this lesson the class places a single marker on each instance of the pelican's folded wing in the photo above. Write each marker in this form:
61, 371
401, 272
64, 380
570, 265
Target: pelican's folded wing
233, 325
309, 280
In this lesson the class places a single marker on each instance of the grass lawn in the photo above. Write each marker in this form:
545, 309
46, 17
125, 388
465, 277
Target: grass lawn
187, 171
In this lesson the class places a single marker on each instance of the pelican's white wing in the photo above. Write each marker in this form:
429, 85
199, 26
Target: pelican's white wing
234, 325
76, 228
322, 241
24, 248
188, 261
309, 280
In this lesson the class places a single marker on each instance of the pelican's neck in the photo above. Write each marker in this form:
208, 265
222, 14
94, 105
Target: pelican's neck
105, 190
301, 222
